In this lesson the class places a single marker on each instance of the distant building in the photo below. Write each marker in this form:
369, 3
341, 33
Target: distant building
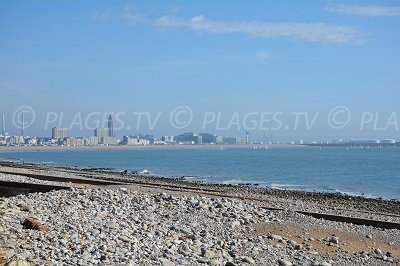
189, 138
134, 140
247, 137
30, 141
101, 132
16, 140
109, 140
58, 133
159, 142
219, 140
71, 141
229, 140
168, 139
110, 126
150, 138
364, 141
388, 141
208, 138
91, 141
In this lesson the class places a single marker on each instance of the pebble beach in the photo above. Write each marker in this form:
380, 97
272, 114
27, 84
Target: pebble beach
143, 225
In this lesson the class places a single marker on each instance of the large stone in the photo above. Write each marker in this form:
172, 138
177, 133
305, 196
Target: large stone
249, 260
235, 224
334, 240
125, 239
212, 253
275, 237
112, 225
7, 253
165, 262
324, 263
283, 262
18, 263
32, 223
24, 207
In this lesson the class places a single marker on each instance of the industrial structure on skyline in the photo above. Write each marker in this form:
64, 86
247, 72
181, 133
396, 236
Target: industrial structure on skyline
3, 125
22, 124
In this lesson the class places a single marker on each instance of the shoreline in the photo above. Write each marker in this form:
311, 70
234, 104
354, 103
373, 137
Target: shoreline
188, 179
4, 149
119, 175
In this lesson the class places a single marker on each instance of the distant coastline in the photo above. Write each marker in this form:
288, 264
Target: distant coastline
141, 147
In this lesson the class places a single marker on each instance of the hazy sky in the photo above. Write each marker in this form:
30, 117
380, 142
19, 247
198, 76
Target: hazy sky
226, 57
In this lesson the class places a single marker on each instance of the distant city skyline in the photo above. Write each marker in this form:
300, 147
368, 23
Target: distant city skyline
105, 127
223, 58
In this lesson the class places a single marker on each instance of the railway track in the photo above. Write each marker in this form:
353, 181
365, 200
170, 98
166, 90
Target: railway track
95, 180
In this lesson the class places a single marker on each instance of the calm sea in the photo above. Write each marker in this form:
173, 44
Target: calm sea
373, 172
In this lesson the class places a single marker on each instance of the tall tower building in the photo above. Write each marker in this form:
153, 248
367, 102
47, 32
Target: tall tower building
247, 137
110, 126
3, 125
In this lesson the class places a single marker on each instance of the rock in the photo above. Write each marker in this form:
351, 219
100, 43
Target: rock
112, 225
125, 239
283, 262
165, 262
32, 223
298, 247
369, 236
219, 206
235, 224
275, 237
334, 240
6, 253
378, 252
202, 260
389, 259
212, 253
364, 255
18, 263
249, 260
205, 206
216, 263
24, 207
230, 264
324, 263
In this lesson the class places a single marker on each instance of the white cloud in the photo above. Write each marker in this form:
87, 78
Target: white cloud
133, 18
101, 16
174, 10
262, 56
366, 10
312, 32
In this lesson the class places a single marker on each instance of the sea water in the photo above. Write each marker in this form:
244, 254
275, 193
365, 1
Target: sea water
372, 172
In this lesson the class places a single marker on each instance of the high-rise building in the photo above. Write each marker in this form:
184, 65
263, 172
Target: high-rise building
59, 133
110, 126
247, 137
101, 132
3, 125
